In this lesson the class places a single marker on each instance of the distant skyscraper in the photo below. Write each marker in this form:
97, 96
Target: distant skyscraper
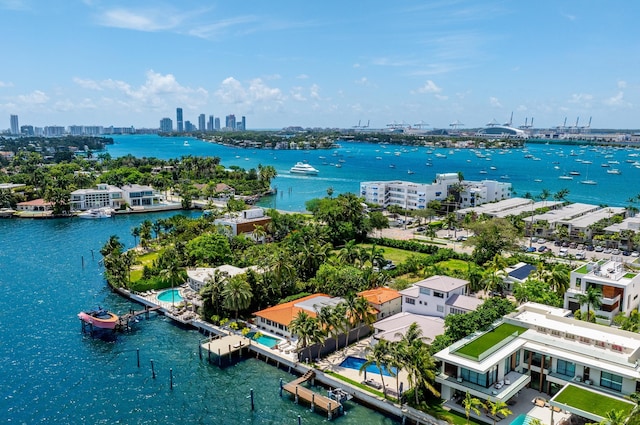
210, 125
217, 123
15, 128
201, 121
244, 123
189, 127
166, 125
230, 122
27, 130
179, 121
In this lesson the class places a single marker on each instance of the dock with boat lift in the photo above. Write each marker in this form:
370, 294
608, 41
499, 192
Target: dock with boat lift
324, 403
123, 321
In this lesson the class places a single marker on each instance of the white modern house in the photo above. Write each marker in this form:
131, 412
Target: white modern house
542, 348
141, 196
104, 195
413, 196
438, 296
197, 278
620, 287
245, 222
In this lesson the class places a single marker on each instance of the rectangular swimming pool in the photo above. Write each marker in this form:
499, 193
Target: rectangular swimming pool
356, 363
267, 340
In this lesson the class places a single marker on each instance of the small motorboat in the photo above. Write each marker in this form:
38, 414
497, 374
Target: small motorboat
99, 318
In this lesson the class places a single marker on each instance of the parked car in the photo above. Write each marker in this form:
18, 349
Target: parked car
635, 254
626, 253
590, 248
581, 256
607, 251
580, 246
531, 249
615, 251
563, 252
420, 229
599, 248
542, 248
558, 243
565, 244
542, 240
573, 245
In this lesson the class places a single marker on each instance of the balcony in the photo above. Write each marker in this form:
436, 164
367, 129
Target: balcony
504, 392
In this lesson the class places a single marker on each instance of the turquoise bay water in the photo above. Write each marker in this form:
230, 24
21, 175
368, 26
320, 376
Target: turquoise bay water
360, 163
170, 295
53, 373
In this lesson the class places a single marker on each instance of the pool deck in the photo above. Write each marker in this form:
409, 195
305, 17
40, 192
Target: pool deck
524, 405
333, 361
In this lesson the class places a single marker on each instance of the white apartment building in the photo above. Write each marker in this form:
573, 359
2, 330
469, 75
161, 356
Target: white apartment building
438, 296
413, 196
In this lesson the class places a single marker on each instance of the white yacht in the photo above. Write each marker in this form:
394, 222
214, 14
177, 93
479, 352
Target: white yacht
97, 213
302, 168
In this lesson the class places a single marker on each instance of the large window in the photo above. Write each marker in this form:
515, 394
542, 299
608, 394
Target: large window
409, 300
566, 368
483, 379
425, 291
611, 381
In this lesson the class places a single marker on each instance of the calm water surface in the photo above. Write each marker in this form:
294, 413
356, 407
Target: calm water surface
52, 373
366, 162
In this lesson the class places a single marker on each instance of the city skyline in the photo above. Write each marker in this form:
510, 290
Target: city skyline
322, 65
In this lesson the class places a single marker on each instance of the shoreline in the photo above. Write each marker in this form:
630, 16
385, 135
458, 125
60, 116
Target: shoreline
382, 405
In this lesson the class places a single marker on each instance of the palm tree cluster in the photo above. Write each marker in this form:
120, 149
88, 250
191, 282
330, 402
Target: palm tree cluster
332, 321
411, 354
495, 408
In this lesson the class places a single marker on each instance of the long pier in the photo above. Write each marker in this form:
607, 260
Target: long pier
123, 321
332, 407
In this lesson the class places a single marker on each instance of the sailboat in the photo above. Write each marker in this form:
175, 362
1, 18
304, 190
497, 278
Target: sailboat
587, 181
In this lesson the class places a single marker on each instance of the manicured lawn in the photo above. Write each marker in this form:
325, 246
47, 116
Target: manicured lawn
394, 254
582, 270
143, 260
454, 265
589, 401
481, 344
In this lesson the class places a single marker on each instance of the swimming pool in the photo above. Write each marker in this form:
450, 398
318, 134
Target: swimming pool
171, 295
356, 363
267, 340
521, 419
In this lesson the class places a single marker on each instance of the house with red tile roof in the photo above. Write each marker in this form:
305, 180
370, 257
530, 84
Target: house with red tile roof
385, 301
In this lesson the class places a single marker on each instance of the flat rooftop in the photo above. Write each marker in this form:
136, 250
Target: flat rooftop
585, 221
527, 208
565, 213
491, 209
596, 404
490, 340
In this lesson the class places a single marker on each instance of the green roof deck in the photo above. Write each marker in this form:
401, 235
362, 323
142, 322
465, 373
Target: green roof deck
578, 399
490, 341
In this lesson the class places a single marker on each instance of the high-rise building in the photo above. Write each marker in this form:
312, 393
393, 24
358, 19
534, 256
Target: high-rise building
166, 125
179, 121
189, 127
244, 123
201, 121
230, 122
27, 130
217, 123
15, 128
210, 125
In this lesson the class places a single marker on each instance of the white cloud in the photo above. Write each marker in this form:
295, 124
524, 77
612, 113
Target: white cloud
582, 98
622, 84
149, 20
441, 97
617, 100
429, 87
5, 84
493, 101
256, 93
87, 84
315, 91
296, 94
36, 97
302, 77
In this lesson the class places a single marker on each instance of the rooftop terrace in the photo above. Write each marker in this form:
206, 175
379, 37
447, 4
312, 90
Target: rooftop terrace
485, 344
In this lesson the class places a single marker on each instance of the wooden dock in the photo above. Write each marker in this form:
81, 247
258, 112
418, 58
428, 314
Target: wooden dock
123, 321
223, 346
332, 407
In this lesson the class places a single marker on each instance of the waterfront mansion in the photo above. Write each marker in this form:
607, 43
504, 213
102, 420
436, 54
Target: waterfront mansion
543, 348
105, 195
414, 196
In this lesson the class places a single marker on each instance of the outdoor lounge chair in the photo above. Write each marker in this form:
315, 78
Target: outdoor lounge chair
539, 401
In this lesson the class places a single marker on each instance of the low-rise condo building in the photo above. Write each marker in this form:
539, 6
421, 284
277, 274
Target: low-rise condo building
618, 284
542, 348
414, 196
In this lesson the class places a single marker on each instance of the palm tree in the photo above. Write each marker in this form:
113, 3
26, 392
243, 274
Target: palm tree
135, 232
307, 330
614, 417
592, 298
173, 273
364, 314
379, 355
417, 361
471, 404
237, 293
496, 408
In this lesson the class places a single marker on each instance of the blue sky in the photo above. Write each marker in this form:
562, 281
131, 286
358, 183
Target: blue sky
321, 63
